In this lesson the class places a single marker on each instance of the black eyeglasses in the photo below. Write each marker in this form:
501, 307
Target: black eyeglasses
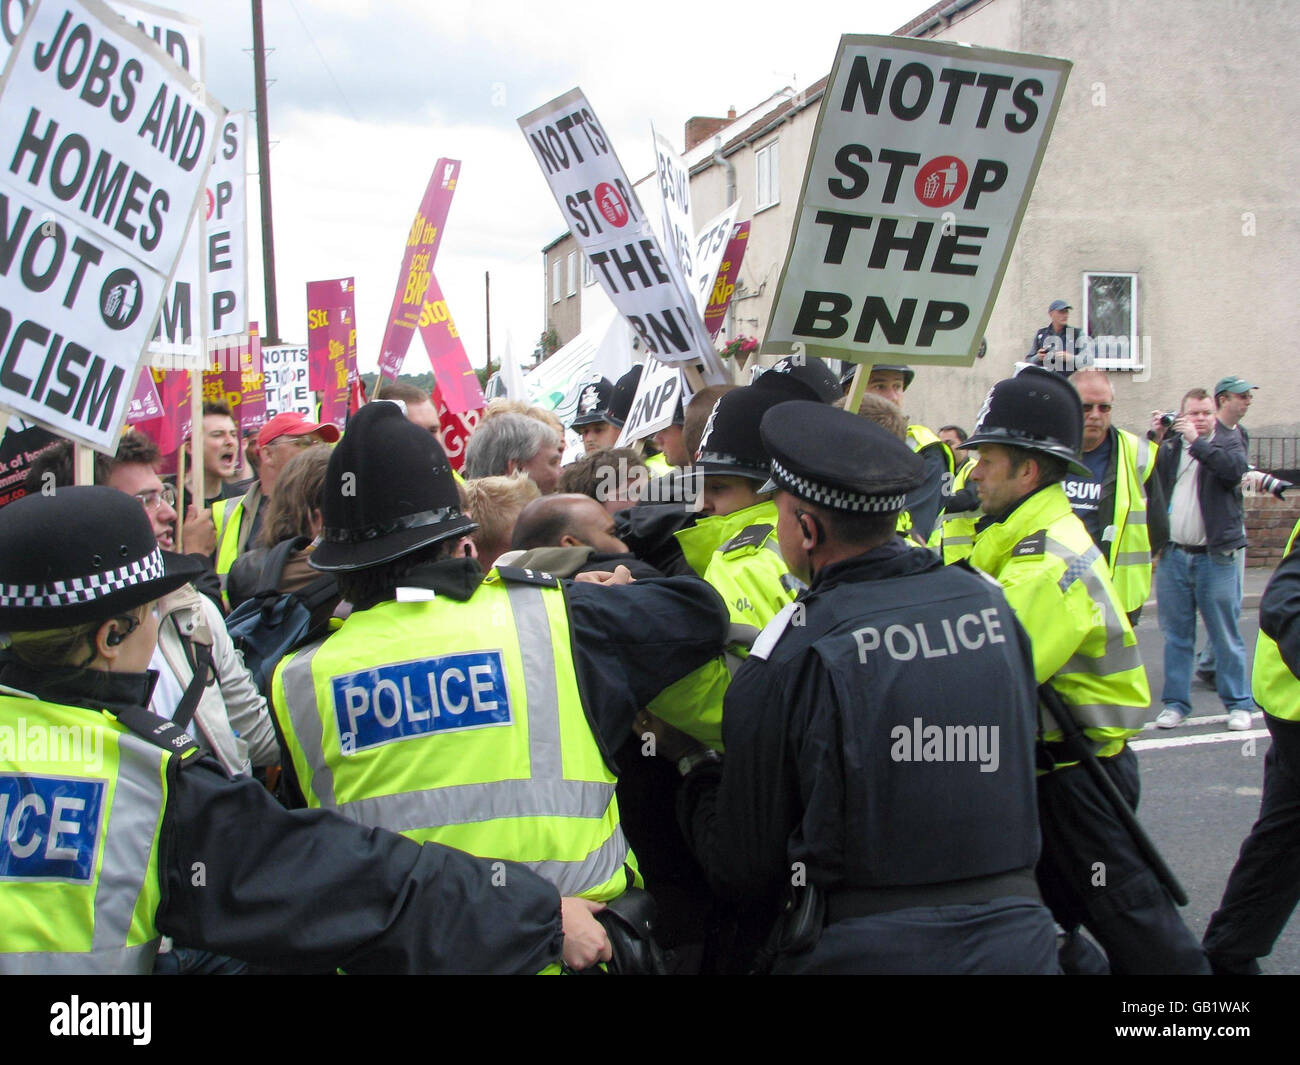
1088, 408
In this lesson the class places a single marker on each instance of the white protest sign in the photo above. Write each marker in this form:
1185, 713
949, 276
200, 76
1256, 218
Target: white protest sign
710, 247
675, 194
593, 192
175, 342
922, 163
13, 16
107, 144
655, 401
227, 230
286, 369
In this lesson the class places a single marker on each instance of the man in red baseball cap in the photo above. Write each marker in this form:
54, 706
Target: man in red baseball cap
238, 521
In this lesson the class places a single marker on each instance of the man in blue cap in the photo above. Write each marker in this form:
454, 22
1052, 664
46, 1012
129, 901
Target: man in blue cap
908, 813
1057, 345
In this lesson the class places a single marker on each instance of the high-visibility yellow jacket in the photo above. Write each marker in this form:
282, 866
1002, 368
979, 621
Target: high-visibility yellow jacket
1275, 687
919, 438
1057, 582
462, 723
234, 519
1128, 541
954, 533
81, 812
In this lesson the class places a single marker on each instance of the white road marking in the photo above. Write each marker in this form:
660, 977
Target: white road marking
1192, 741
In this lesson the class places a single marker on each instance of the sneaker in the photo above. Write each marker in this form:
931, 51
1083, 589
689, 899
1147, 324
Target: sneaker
1169, 718
1239, 720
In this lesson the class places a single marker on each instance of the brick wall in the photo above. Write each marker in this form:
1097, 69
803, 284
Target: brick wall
1269, 522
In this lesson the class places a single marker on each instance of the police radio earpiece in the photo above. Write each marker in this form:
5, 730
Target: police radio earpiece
114, 638
117, 636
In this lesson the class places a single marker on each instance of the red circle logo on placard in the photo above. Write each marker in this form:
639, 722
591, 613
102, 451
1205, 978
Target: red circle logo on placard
210, 205
941, 180
611, 205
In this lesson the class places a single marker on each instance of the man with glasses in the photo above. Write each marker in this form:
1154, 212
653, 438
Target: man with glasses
238, 521
1121, 504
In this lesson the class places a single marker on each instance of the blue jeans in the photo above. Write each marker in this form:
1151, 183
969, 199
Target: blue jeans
1210, 583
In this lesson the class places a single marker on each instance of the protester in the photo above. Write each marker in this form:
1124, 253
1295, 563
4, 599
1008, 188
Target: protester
417, 405
238, 521
505, 444
1058, 346
220, 439
614, 477
1200, 466
292, 513
495, 503
77, 662
952, 435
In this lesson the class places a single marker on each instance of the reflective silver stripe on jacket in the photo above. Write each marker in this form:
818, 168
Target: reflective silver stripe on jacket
300, 693
573, 878
128, 842
124, 960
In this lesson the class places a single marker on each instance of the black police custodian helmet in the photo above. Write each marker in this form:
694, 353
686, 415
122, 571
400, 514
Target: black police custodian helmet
593, 403
801, 378
620, 399
81, 555
731, 443
1036, 410
849, 368
388, 491
838, 460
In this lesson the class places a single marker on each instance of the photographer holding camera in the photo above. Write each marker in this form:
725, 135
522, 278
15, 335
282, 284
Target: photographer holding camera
1200, 466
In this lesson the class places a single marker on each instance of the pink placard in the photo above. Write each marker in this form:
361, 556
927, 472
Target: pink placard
456, 378
715, 313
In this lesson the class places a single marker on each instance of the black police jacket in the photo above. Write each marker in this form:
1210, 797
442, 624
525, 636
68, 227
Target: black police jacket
886, 740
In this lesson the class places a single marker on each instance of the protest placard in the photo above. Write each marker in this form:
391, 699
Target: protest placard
21, 443
724, 282
676, 227
417, 267
226, 232
457, 381
923, 159
332, 344
285, 370
456, 428
593, 192
146, 404
655, 401
711, 245
108, 144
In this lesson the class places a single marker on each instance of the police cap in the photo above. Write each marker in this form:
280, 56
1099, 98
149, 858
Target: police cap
388, 491
1036, 410
838, 460
593, 403
730, 443
798, 377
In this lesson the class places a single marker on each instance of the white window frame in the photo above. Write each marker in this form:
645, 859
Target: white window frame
588, 274
573, 274
557, 279
767, 159
1120, 352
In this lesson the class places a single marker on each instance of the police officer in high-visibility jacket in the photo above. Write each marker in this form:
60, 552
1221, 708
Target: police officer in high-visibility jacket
917, 521
1028, 436
1264, 887
115, 829
1119, 502
473, 712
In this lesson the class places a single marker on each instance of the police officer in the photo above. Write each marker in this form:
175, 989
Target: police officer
603, 409
1028, 436
923, 505
115, 829
469, 711
879, 738
1264, 887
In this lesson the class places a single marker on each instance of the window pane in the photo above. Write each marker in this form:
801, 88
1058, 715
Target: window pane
767, 191
1110, 305
557, 279
573, 273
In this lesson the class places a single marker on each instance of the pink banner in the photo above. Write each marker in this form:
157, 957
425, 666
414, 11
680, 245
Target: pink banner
146, 405
235, 378
456, 378
169, 431
456, 429
725, 285
332, 344
416, 275
252, 383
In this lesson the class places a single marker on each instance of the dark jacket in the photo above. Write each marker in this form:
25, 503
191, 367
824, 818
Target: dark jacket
1279, 609
1223, 464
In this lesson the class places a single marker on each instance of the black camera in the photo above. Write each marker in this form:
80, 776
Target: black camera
1167, 419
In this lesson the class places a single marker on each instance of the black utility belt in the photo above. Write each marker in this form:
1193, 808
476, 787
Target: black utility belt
867, 902
1189, 550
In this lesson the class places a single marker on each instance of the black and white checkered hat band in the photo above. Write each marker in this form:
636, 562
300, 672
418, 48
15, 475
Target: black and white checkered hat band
76, 590
834, 497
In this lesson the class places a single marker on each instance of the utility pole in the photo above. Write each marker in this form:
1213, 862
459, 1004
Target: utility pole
487, 310
264, 177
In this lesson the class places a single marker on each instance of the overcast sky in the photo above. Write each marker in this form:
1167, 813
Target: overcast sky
367, 96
